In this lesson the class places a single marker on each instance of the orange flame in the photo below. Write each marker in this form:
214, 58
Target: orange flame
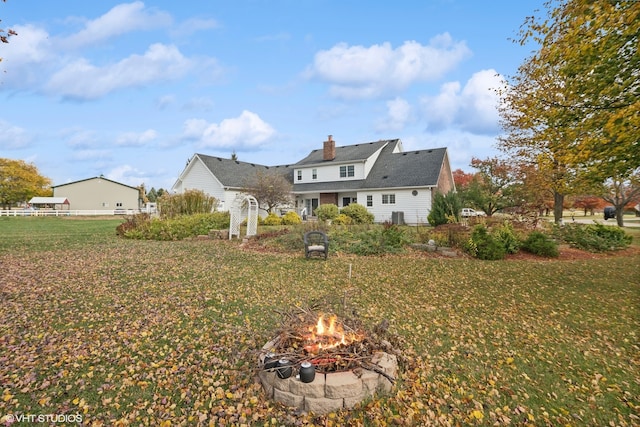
324, 336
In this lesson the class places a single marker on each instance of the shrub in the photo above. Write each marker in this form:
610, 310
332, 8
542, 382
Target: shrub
453, 234
358, 214
445, 209
506, 235
291, 218
483, 245
272, 219
342, 219
594, 237
187, 203
377, 241
176, 228
540, 244
326, 211
132, 224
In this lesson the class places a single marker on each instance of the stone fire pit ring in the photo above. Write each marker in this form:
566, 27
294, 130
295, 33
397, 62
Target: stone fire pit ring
330, 391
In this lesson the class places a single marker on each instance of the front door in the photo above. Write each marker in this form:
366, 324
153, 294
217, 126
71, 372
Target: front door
311, 205
346, 201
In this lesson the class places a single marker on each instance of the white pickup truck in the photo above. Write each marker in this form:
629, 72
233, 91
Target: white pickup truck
468, 212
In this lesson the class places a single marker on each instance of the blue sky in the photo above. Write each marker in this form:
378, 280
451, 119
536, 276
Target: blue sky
131, 90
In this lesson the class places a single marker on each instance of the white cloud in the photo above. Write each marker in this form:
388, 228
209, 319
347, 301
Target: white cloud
198, 104
80, 138
82, 80
193, 25
399, 113
25, 57
246, 130
13, 137
356, 72
136, 139
471, 108
121, 19
165, 101
42, 62
127, 174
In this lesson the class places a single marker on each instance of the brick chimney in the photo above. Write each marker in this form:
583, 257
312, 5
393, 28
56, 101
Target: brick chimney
329, 149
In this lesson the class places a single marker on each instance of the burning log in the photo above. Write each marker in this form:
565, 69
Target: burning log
327, 342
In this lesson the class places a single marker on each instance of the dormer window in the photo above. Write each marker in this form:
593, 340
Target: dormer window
347, 171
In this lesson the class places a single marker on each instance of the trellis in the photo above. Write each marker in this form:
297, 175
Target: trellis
242, 205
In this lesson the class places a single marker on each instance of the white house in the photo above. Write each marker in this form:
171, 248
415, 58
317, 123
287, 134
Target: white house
99, 193
394, 185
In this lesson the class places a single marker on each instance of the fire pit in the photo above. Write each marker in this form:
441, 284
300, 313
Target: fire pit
320, 364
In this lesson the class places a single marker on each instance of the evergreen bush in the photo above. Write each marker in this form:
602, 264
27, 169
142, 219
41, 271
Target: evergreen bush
594, 237
358, 214
327, 211
291, 218
540, 244
506, 235
342, 219
272, 219
445, 209
483, 245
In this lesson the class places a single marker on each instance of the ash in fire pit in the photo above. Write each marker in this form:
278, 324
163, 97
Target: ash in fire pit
318, 363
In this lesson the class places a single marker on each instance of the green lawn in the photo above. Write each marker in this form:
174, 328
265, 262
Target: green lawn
140, 333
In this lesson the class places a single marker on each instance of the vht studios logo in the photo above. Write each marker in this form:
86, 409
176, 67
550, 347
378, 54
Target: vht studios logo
41, 418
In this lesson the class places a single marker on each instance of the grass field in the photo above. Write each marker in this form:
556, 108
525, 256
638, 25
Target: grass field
126, 332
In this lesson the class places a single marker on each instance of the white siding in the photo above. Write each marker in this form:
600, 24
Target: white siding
198, 177
415, 208
329, 173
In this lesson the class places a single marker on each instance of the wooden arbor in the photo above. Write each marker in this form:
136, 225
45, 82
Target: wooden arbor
244, 207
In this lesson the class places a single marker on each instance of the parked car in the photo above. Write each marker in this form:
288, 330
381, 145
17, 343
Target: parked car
609, 212
468, 212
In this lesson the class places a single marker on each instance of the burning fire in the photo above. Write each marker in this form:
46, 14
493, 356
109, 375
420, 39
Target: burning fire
323, 336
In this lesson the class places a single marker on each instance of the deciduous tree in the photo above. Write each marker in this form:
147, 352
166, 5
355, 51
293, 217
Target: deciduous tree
20, 181
573, 108
271, 189
620, 193
490, 190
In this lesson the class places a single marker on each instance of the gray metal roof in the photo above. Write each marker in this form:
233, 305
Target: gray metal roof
347, 153
89, 179
233, 173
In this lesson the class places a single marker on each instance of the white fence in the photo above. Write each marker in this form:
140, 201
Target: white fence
51, 212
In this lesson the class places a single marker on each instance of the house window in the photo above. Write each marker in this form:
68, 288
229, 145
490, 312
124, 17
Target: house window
346, 171
388, 199
314, 173
369, 200
118, 204
105, 204
299, 175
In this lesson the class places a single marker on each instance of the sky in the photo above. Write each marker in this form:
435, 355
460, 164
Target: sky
132, 89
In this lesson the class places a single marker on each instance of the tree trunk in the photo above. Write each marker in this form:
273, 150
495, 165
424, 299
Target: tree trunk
619, 214
558, 206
